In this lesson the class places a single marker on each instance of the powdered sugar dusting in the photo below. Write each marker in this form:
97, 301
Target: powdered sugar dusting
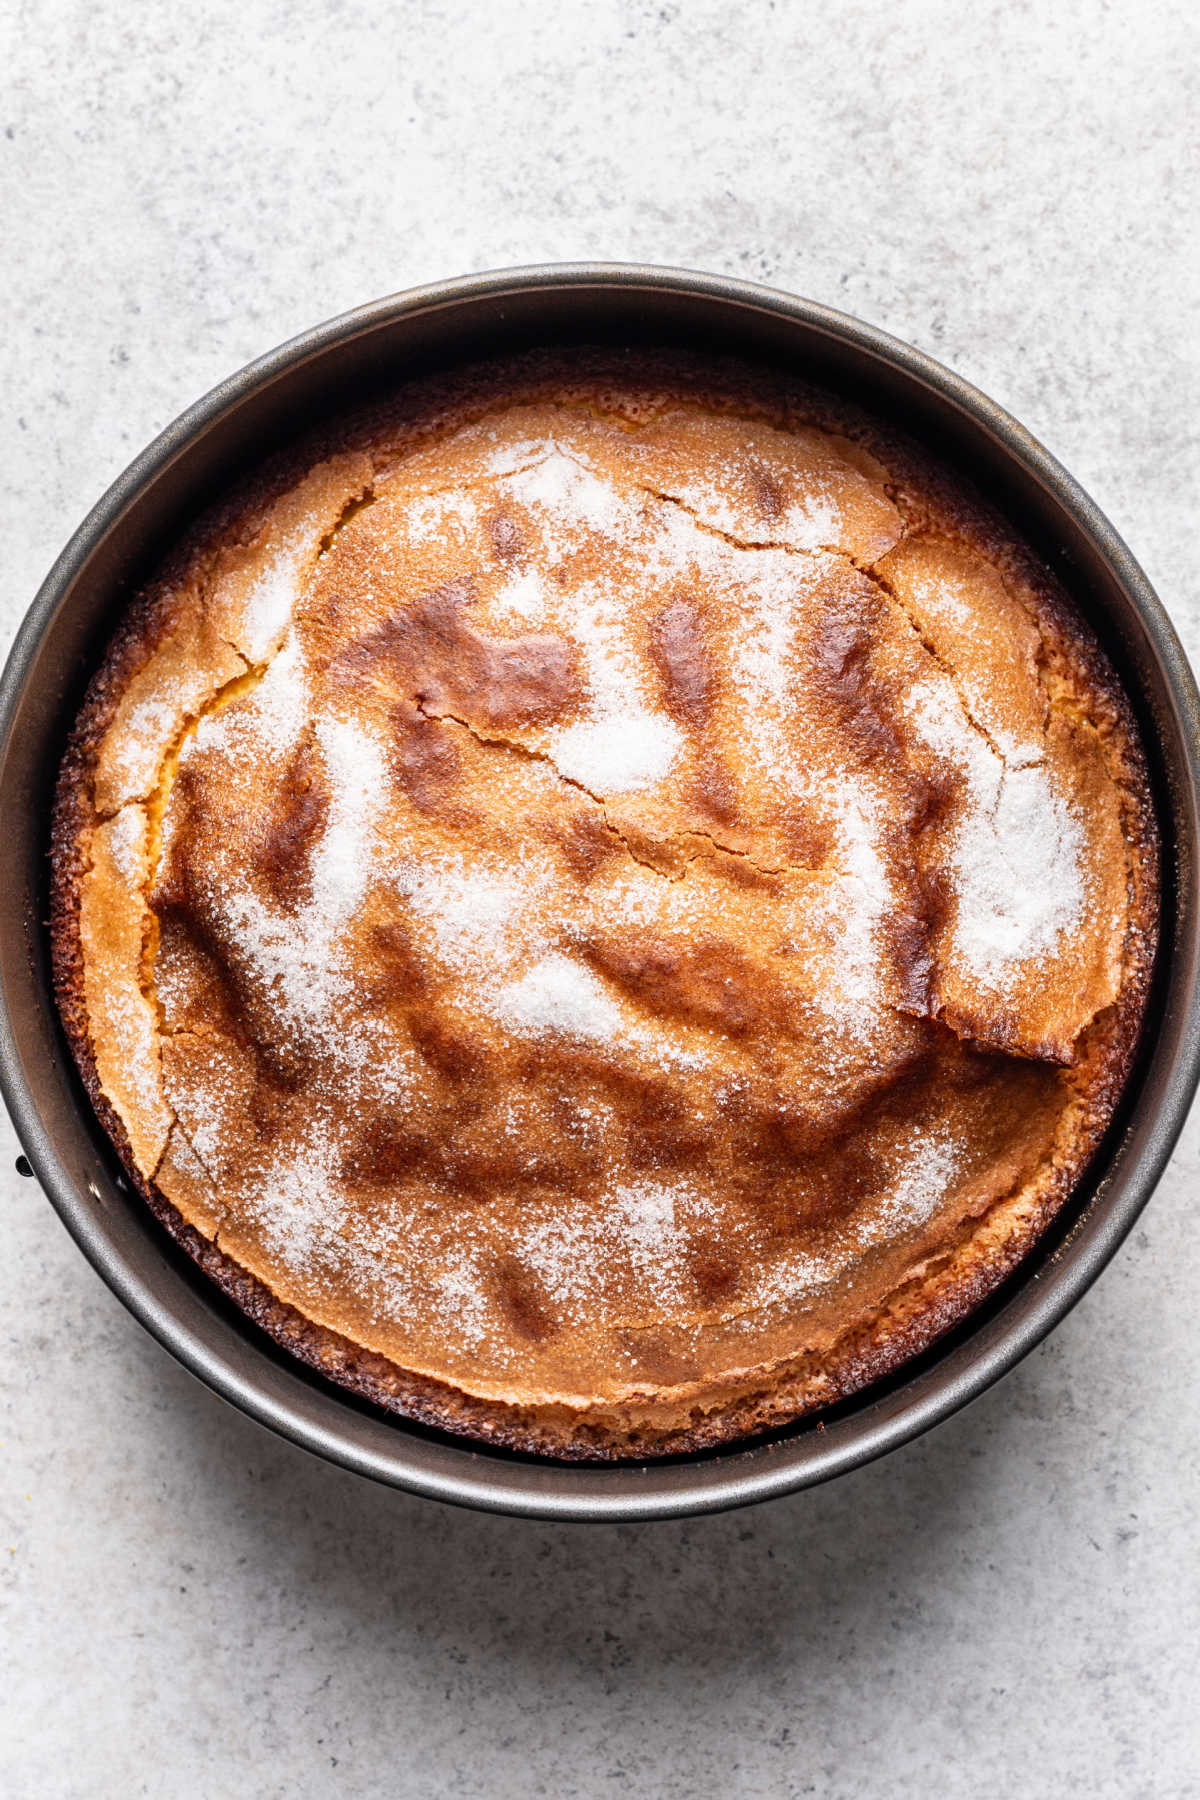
440, 516
636, 1236
133, 1049
562, 996
523, 597
810, 522
570, 495
646, 1217
764, 649
1020, 874
280, 706
127, 844
1019, 848
624, 743
619, 752
275, 591
296, 957
300, 1208
865, 897
459, 1293
482, 914
356, 769
925, 1174
149, 726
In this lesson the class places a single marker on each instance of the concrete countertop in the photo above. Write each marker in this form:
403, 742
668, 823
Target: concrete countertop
189, 1607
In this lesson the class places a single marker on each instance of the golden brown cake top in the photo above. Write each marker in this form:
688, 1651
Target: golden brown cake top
592, 904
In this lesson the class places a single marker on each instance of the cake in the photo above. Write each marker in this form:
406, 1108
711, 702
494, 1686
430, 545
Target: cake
607, 903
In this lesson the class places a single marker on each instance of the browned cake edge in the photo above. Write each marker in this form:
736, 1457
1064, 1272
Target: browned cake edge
950, 1285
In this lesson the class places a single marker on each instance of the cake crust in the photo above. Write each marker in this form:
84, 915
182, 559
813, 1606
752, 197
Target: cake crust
1028, 1072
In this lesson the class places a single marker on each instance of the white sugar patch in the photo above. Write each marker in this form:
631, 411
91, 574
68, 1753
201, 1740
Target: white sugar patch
184, 1156
127, 844
296, 957
1018, 857
945, 600
771, 591
632, 1236
561, 996
863, 898
305, 1218
622, 752
143, 736
510, 458
132, 1059
208, 1108
924, 1175
923, 1179
522, 597
940, 714
460, 1295
478, 911
300, 1206
623, 743
571, 497
280, 705
275, 591
356, 769
564, 998
935, 712
790, 1279
266, 721
1020, 879
636, 895
431, 518
644, 1217
811, 521
565, 1253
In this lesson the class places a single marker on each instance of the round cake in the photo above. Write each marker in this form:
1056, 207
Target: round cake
607, 904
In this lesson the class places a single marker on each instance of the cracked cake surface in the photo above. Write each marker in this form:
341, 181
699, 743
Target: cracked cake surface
606, 904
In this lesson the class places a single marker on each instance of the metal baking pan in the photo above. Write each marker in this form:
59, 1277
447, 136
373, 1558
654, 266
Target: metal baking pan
372, 350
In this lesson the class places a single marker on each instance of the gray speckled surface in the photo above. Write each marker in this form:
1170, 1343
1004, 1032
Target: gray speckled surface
188, 1607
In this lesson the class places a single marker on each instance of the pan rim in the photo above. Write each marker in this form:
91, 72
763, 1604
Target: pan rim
312, 1415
